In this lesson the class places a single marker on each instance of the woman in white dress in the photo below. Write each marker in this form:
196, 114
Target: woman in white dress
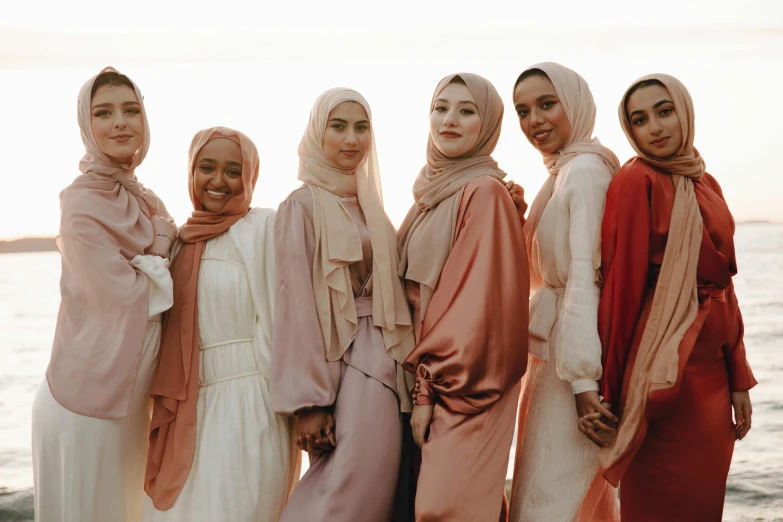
91, 414
555, 472
218, 450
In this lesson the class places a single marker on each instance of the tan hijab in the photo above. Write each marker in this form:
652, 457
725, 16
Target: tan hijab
438, 188
338, 244
675, 302
175, 388
105, 223
579, 106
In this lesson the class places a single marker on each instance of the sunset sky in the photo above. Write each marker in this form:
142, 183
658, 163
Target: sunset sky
259, 68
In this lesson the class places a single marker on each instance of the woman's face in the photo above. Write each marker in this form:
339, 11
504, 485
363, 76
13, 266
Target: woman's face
654, 122
455, 124
542, 118
217, 173
117, 122
348, 135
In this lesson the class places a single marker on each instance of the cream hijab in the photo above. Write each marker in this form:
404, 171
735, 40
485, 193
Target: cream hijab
579, 106
675, 302
438, 190
338, 244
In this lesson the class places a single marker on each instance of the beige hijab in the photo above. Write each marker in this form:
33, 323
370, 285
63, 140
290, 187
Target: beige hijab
338, 244
675, 303
438, 188
105, 222
578, 103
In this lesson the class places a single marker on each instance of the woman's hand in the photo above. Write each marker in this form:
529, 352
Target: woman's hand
743, 411
315, 431
518, 197
420, 422
596, 421
164, 235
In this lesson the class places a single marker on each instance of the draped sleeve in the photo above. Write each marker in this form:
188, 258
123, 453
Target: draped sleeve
578, 346
301, 377
473, 344
625, 259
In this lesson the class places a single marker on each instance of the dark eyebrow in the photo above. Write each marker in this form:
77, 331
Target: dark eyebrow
662, 102
209, 160
110, 104
544, 97
362, 122
340, 120
234, 163
443, 100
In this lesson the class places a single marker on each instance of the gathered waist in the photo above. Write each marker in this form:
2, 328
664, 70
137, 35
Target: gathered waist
704, 291
363, 306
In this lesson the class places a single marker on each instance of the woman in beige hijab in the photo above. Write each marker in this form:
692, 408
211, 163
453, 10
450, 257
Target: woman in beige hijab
465, 269
342, 324
670, 325
91, 414
556, 468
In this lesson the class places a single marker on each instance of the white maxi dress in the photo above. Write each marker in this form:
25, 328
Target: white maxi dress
92, 470
245, 463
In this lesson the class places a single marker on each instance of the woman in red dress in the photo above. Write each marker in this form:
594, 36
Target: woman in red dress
670, 325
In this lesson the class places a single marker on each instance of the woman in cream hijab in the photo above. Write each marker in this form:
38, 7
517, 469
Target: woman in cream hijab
670, 325
342, 324
556, 468
465, 269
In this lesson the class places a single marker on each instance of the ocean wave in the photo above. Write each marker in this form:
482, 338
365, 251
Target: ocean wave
16, 506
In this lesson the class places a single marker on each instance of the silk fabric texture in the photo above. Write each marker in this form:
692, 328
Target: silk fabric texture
574, 94
438, 188
105, 222
176, 385
338, 244
675, 303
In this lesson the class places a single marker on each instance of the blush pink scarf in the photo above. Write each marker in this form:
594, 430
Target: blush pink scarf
104, 223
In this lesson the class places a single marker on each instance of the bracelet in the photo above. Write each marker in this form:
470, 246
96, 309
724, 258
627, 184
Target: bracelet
164, 235
151, 253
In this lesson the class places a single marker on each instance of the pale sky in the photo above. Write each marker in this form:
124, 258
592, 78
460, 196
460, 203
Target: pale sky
259, 69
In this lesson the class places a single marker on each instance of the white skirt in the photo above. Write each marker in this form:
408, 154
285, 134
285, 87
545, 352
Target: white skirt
88, 469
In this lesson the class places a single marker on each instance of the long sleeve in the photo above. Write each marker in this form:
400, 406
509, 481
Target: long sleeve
473, 344
301, 376
578, 349
740, 375
625, 260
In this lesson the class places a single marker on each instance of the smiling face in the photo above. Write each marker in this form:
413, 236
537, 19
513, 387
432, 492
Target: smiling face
542, 117
217, 173
347, 136
455, 124
654, 122
117, 122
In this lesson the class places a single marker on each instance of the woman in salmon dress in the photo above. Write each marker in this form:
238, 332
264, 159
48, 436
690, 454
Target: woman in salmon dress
556, 470
670, 325
342, 324
465, 268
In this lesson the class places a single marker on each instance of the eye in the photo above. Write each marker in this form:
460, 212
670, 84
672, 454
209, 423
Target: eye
101, 113
337, 126
362, 128
639, 121
666, 111
440, 108
234, 173
206, 168
133, 110
467, 112
547, 105
522, 113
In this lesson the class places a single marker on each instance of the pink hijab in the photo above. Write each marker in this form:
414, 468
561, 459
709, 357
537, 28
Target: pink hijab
175, 388
104, 223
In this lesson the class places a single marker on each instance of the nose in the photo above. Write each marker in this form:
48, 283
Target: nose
119, 120
655, 127
536, 116
350, 138
451, 118
217, 178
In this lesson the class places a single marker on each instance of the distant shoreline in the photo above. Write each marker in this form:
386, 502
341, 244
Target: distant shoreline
46, 244
27, 245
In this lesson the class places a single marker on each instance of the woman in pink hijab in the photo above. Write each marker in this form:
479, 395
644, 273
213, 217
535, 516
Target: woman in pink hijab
91, 415
217, 449
556, 468
465, 270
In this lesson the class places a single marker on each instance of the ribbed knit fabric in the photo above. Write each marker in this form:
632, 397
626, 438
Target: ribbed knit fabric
555, 464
